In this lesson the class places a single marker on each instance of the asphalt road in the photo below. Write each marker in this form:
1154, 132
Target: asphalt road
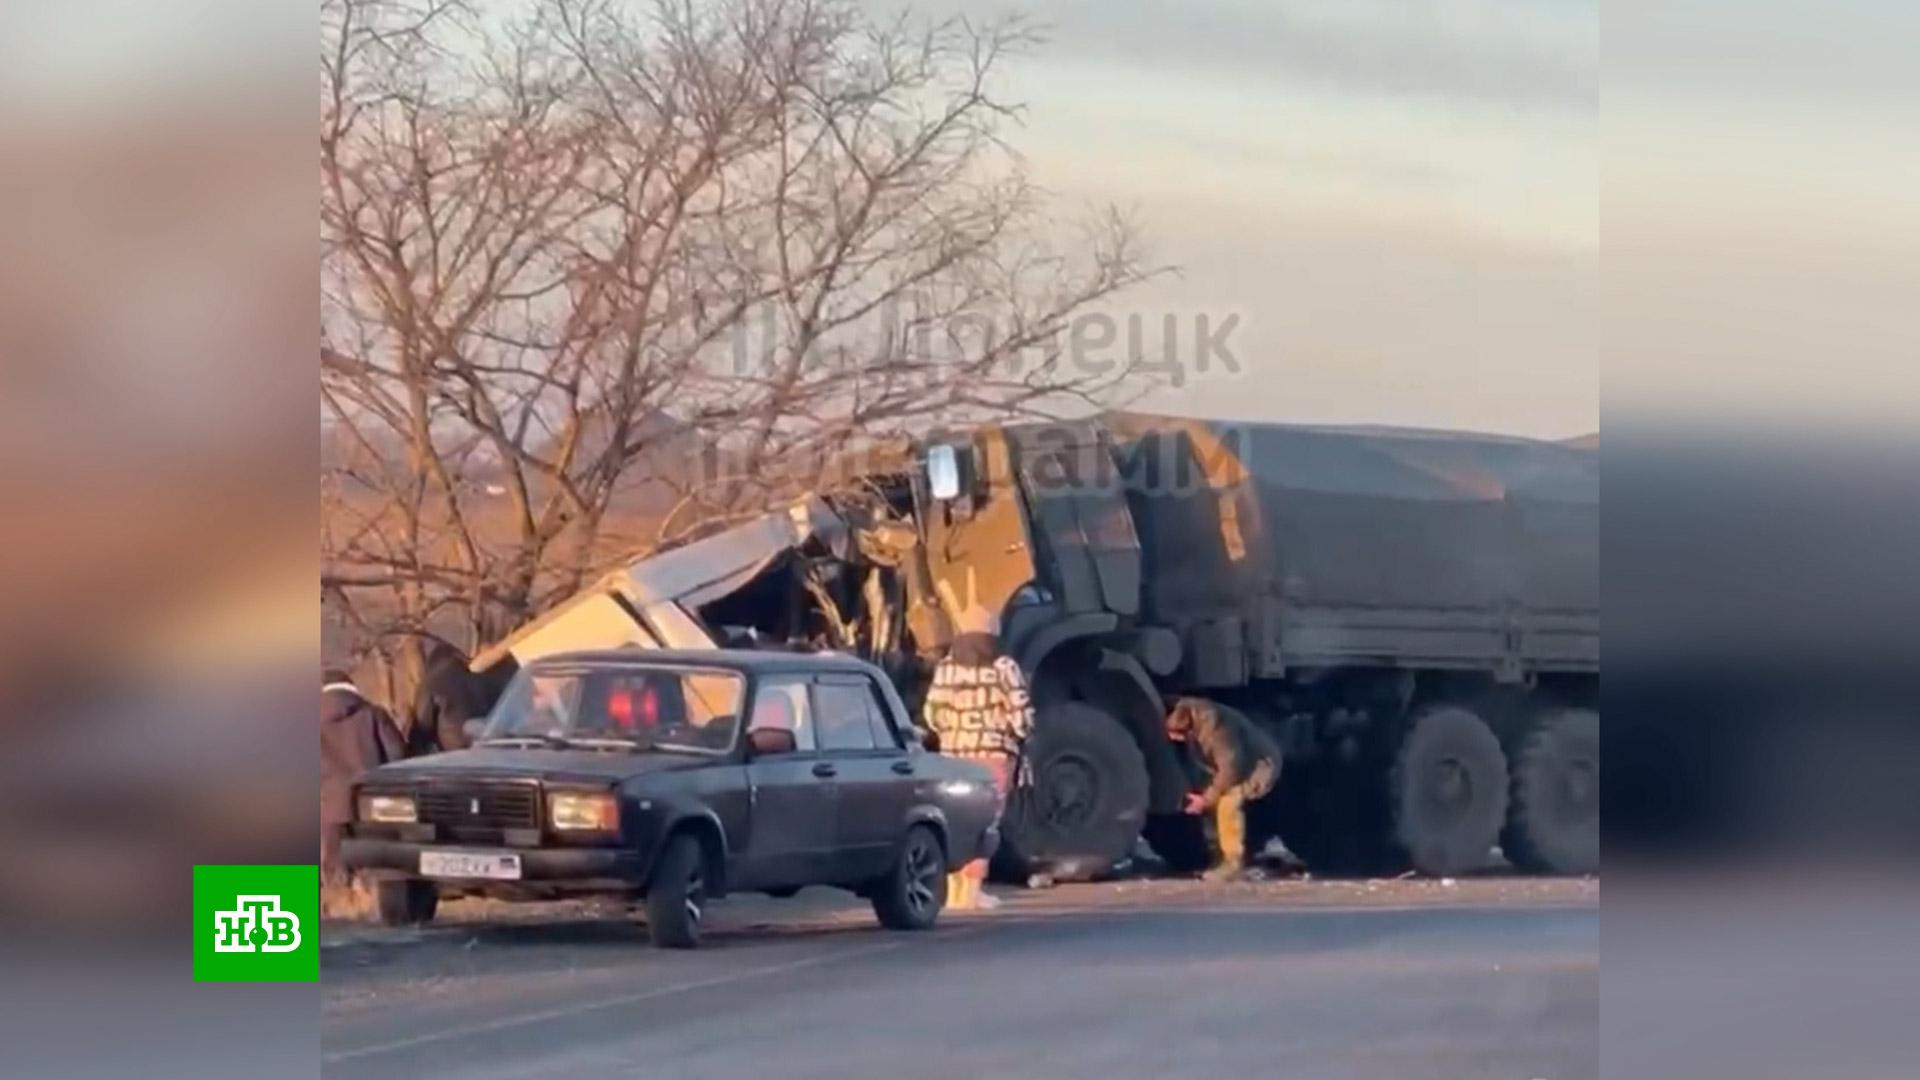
1107, 982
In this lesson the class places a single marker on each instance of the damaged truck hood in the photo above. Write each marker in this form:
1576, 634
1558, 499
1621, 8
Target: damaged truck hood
647, 603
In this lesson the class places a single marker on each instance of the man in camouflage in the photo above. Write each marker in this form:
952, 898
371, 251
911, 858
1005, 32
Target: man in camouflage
1243, 764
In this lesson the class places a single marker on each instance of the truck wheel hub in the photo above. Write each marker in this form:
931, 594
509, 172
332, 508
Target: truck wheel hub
1452, 786
1070, 789
1579, 784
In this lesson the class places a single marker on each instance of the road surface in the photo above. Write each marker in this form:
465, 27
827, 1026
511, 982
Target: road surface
1160, 980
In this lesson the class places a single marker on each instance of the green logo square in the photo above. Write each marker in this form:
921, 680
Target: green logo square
256, 924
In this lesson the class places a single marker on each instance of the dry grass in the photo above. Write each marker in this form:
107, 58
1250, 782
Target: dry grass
352, 902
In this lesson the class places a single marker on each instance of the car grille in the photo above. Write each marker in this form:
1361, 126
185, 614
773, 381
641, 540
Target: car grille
480, 809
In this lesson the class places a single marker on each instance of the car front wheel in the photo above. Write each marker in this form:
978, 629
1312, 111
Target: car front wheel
911, 895
677, 896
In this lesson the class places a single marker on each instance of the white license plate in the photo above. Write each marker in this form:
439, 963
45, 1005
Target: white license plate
470, 864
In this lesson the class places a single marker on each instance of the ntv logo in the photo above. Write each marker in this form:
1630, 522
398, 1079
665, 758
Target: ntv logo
256, 924
248, 923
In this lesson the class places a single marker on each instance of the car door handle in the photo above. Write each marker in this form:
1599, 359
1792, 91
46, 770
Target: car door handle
825, 768
904, 768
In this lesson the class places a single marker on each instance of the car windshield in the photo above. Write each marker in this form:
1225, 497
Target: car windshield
632, 707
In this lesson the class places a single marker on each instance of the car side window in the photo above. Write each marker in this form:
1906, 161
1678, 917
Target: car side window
841, 716
781, 702
878, 715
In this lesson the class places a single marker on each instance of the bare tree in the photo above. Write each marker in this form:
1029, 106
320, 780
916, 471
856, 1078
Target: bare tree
557, 247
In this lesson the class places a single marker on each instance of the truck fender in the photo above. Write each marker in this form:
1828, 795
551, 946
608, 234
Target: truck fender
1034, 651
1142, 709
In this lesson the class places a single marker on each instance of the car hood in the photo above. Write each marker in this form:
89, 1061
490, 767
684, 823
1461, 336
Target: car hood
502, 761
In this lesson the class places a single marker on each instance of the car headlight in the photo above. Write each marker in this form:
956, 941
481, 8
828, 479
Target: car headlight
596, 811
392, 809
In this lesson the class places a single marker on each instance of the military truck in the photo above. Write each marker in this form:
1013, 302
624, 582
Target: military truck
1413, 614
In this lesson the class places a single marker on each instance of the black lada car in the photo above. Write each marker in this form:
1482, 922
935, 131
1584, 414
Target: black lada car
675, 778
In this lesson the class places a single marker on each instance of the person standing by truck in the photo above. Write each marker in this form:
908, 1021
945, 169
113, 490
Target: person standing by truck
979, 709
1243, 764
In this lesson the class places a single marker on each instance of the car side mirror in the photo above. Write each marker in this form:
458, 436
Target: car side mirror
928, 738
473, 729
770, 740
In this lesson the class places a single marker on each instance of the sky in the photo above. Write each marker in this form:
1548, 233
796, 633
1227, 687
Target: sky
1396, 201
1761, 213
1400, 200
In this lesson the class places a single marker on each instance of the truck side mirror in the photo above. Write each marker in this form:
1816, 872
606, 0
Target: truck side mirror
943, 472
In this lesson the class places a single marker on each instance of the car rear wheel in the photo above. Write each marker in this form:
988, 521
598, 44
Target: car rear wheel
913, 892
677, 896
405, 901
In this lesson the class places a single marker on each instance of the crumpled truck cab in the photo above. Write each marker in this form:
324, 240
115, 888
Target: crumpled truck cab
650, 602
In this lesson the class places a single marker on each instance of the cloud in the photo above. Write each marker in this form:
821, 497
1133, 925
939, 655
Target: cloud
1537, 54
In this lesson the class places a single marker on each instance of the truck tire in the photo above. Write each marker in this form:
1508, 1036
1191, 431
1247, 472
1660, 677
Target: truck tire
1553, 818
677, 895
1087, 800
1449, 791
405, 901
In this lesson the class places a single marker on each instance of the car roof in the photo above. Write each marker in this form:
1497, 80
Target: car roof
758, 661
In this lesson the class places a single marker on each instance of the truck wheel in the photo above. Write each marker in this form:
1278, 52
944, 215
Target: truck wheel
1449, 791
677, 895
1553, 822
405, 901
911, 895
1087, 802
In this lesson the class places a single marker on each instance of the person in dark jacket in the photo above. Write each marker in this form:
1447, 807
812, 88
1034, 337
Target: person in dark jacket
449, 696
1242, 763
355, 735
